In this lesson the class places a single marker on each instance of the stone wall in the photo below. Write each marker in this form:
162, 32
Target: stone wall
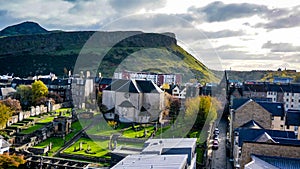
252, 111
39, 151
268, 149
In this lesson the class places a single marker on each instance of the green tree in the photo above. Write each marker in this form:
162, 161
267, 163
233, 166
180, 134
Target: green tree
5, 114
24, 95
39, 92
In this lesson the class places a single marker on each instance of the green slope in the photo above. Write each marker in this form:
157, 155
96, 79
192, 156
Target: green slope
28, 55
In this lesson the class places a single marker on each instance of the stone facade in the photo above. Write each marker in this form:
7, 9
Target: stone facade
252, 111
267, 149
278, 123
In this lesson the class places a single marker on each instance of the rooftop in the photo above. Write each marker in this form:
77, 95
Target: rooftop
152, 161
157, 146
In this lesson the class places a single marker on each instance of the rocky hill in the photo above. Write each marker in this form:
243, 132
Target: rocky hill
25, 28
57, 52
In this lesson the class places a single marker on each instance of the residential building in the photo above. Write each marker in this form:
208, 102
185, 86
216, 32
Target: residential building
157, 78
292, 122
83, 90
253, 132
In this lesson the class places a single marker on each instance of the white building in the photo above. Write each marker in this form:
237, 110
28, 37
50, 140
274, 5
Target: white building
4, 145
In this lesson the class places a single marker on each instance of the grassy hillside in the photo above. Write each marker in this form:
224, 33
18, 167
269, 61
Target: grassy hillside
28, 55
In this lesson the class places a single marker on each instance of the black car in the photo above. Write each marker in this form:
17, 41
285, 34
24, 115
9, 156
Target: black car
216, 137
216, 131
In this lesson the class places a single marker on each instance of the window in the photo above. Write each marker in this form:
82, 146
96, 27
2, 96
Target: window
288, 127
292, 105
292, 100
282, 118
281, 126
287, 100
287, 94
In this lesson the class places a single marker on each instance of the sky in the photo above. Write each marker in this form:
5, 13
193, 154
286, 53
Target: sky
231, 34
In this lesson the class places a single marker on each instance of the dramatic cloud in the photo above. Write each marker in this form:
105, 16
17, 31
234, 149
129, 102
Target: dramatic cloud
218, 11
224, 34
281, 47
134, 5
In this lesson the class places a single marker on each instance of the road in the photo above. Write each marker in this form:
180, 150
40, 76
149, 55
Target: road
218, 157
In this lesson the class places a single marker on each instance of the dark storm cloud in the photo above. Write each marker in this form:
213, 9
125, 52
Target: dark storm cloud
281, 47
218, 11
128, 5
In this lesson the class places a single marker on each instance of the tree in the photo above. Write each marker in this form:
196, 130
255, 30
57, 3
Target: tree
201, 108
174, 107
24, 95
11, 161
13, 104
101, 106
39, 92
5, 114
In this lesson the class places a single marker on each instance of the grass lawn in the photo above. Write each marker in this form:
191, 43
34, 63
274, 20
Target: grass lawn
32, 128
97, 148
130, 133
101, 128
46, 120
57, 142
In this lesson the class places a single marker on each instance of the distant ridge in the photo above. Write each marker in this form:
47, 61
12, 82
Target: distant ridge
24, 28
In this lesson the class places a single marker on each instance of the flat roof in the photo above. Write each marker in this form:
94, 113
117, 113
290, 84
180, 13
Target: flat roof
152, 161
157, 145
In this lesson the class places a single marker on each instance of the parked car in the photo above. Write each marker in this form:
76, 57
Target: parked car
216, 137
215, 145
216, 131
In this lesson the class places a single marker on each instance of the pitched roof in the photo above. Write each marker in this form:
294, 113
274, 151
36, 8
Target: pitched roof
258, 163
250, 134
238, 102
126, 103
5, 144
251, 124
7, 90
116, 84
265, 137
104, 80
130, 87
148, 86
281, 162
276, 109
292, 117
